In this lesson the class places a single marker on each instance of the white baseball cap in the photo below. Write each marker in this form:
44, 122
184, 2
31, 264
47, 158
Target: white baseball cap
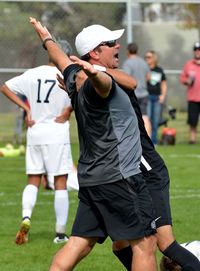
90, 37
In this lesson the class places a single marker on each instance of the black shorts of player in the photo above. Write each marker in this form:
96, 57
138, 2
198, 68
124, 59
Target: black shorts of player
193, 113
121, 210
158, 186
143, 105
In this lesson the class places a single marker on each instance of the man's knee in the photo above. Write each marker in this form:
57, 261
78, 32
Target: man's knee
118, 245
147, 245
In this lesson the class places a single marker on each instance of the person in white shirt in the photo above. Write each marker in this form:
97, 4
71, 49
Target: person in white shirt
48, 148
166, 264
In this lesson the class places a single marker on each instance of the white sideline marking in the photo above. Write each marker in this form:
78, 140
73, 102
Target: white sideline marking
185, 196
179, 191
13, 203
174, 155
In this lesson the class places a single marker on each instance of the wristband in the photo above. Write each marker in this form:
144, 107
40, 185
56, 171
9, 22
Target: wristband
45, 41
99, 68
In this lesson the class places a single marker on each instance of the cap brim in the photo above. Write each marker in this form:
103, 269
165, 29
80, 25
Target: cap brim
115, 35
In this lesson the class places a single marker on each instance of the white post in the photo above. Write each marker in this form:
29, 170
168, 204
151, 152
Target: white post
129, 21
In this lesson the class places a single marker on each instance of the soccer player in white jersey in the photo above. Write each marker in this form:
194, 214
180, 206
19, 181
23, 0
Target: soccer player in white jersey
48, 142
166, 264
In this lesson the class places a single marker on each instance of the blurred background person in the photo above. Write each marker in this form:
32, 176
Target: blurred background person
157, 88
135, 66
190, 77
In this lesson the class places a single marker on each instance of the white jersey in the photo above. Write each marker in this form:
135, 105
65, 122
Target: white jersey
47, 101
193, 247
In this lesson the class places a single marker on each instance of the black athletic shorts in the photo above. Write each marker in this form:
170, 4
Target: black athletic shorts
122, 210
193, 113
158, 184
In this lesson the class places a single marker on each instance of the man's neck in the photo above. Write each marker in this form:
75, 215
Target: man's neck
132, 55
197, 61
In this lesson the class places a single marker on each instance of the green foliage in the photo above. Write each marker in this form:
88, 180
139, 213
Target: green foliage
192, 16
63, 19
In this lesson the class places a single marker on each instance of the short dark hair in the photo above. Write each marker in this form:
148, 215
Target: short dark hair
132, 48
86, 57
166, 264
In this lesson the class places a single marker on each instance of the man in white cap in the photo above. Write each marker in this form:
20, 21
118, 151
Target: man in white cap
114, 200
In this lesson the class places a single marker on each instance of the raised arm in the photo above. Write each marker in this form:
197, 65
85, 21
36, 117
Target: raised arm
123, 79
57, 56
101, 81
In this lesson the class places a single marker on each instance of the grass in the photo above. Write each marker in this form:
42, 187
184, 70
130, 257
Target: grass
37, 254
183, 164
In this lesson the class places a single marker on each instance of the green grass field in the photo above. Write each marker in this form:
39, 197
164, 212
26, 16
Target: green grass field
183, 162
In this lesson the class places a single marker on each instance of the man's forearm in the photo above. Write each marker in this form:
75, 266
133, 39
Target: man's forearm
123, 79
14, 98
102, 83
57, 56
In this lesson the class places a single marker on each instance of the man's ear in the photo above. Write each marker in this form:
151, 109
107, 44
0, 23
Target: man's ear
94, 54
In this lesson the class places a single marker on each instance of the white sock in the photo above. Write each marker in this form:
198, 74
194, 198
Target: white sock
61, 205
29, 198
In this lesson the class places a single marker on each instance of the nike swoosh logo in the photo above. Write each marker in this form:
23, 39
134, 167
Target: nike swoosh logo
157, 218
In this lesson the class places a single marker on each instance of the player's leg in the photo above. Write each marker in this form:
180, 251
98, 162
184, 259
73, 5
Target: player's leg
171, 249
61, 206
125, 221
123, 251
34, 170
29, 198
193, 117
165, 238
144, 249
193, 135
72, 180
86, 225
72, 253
58, 162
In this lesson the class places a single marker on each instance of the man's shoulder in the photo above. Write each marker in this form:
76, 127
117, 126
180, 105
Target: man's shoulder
133, 61
138, 60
